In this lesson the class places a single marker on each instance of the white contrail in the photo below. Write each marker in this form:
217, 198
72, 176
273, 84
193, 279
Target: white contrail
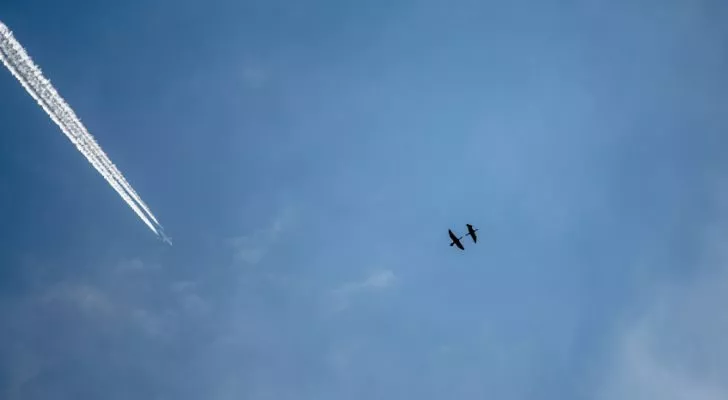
70, 119
16, 59
33, 74
82, 147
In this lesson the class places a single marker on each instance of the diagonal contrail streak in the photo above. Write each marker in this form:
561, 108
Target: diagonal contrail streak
46, 91
32, 73
21, 66
78, 142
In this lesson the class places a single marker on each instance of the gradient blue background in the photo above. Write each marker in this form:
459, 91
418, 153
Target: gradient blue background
307, 158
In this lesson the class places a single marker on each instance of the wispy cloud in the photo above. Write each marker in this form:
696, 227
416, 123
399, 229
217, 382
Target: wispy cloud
677, 347
129, 309
129, 294
377, 281
252, 248
84, 297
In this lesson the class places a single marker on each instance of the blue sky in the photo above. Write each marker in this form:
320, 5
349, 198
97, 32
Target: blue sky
308, 159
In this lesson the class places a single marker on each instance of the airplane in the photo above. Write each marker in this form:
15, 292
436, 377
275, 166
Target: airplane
165, 238
455, 240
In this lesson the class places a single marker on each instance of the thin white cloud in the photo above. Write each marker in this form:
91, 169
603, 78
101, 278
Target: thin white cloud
81, 296
251, 249
27, 365
193, 304
127, 298
377, 281
150, 323
677, 348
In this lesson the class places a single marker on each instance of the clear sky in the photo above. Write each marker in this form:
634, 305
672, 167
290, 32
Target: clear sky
307, 158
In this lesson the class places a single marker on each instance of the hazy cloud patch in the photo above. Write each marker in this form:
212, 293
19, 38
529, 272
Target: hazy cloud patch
251, 249
677, 347
377, 281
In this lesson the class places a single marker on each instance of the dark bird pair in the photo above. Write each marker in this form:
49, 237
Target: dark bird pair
456, 240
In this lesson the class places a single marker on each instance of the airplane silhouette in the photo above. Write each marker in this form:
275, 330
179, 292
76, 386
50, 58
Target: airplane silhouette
163, 236
456, 240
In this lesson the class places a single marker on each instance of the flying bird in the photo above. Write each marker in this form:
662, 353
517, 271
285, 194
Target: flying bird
455, 240
471, 233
